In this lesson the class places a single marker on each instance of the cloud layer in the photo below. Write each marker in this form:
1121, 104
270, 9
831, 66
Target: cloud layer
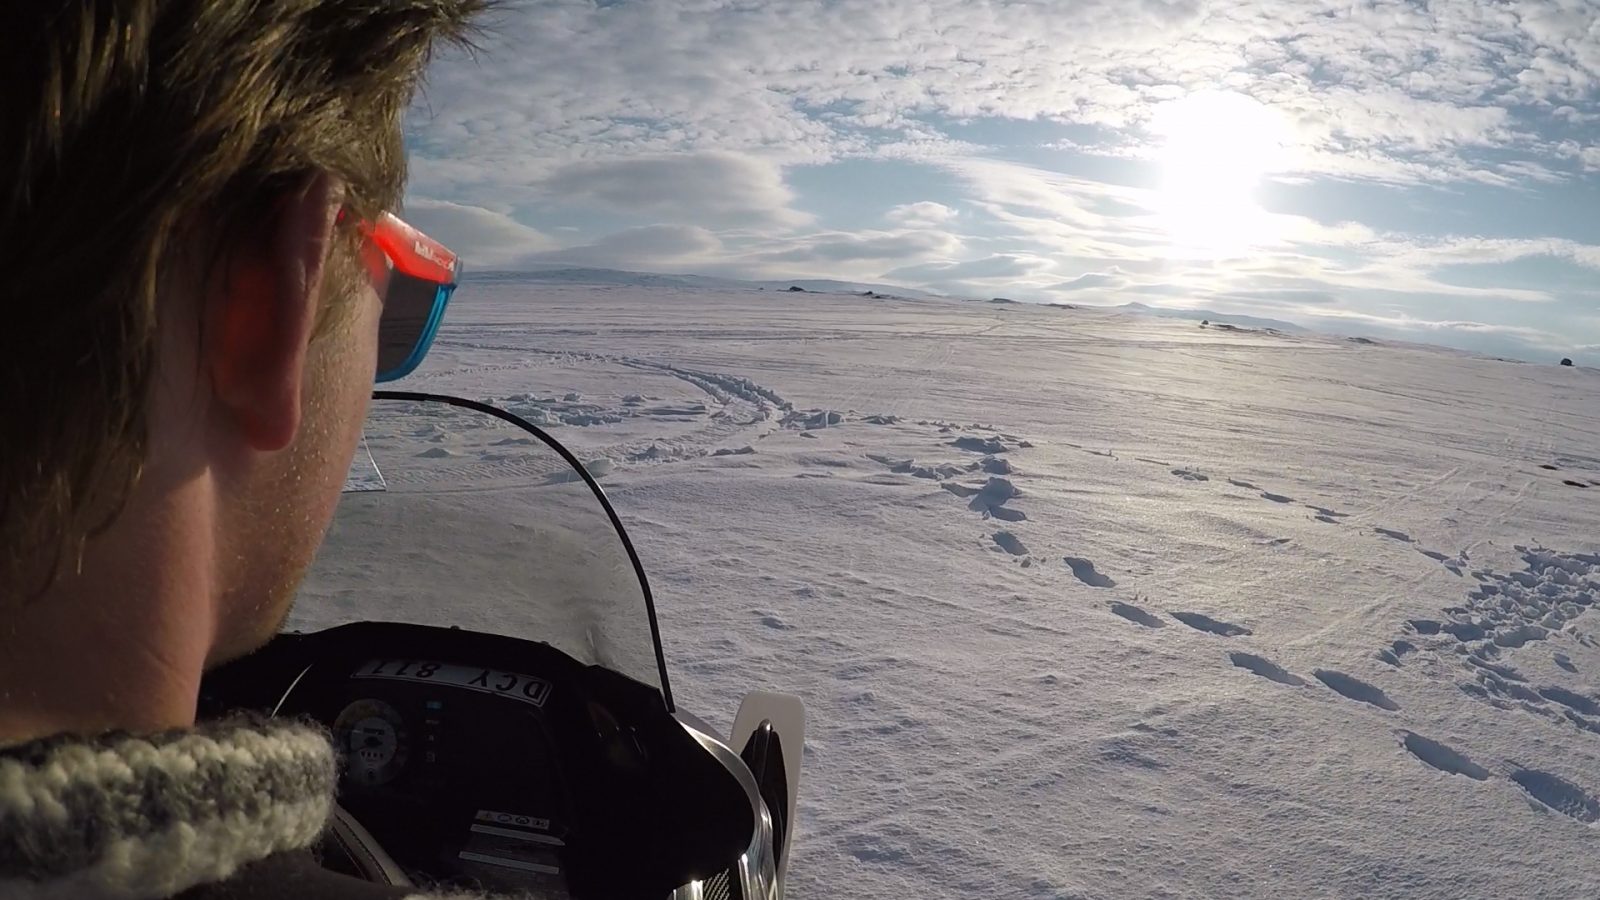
1381, 89
1026, 148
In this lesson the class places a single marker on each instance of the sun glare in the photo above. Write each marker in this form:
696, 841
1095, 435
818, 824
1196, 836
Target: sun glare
1215, 149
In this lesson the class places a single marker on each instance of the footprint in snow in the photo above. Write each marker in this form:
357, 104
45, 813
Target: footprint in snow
1355, 689
1203, 622
1395, 652
1010, 544
773, 621
986, 502
1489, 684
1462, 631
1496, 668
1513, 638
1442, 757
1266, 668
1557, 793
1571, 700
931, 473
1084, 571
994, 494
996, 465
1136, 615
1190, 475
989, 446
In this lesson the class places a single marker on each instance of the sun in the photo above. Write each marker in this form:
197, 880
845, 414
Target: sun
1216, 147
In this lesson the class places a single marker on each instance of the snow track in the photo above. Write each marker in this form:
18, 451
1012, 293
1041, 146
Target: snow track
739, 408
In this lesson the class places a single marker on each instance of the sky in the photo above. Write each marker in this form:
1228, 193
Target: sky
1420, 170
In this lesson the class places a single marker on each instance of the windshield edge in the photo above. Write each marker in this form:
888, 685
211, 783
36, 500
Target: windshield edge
594, 488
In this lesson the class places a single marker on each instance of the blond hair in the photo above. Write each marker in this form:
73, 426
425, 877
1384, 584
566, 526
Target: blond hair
135, 129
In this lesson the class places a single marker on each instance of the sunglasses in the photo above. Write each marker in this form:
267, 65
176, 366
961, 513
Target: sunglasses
414, 276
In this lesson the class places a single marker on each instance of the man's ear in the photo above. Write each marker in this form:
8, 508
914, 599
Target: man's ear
261, 310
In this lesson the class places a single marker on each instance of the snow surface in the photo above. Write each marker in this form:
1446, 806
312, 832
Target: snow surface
1086, 604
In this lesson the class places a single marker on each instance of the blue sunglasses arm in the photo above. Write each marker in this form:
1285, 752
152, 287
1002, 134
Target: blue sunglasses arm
441, 300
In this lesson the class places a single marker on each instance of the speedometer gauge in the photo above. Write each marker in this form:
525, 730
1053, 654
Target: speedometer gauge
373, 737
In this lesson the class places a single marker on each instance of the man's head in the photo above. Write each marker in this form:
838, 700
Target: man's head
191, 335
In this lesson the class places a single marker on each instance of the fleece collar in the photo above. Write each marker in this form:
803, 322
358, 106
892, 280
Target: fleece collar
147, 816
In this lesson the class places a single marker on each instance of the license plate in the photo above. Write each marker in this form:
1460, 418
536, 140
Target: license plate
511, 685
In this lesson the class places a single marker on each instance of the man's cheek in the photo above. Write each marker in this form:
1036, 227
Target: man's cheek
372, 315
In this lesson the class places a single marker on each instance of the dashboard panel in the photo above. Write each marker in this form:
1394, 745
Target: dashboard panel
375, 742
484, 762
425, 742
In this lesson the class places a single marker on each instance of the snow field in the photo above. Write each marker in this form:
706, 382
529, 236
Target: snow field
1092, 605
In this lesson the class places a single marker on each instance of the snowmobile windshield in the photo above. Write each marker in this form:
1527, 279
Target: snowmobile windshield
456, 514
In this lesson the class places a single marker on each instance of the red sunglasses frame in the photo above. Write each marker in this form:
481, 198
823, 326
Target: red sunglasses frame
408, 252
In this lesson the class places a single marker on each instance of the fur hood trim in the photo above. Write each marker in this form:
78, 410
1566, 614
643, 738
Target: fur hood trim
140, 817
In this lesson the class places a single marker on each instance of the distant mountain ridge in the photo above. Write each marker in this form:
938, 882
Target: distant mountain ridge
1199, 315
1487, 343
583, 275
580, 275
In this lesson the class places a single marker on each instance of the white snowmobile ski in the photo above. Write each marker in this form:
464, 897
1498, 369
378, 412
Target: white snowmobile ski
785, 715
